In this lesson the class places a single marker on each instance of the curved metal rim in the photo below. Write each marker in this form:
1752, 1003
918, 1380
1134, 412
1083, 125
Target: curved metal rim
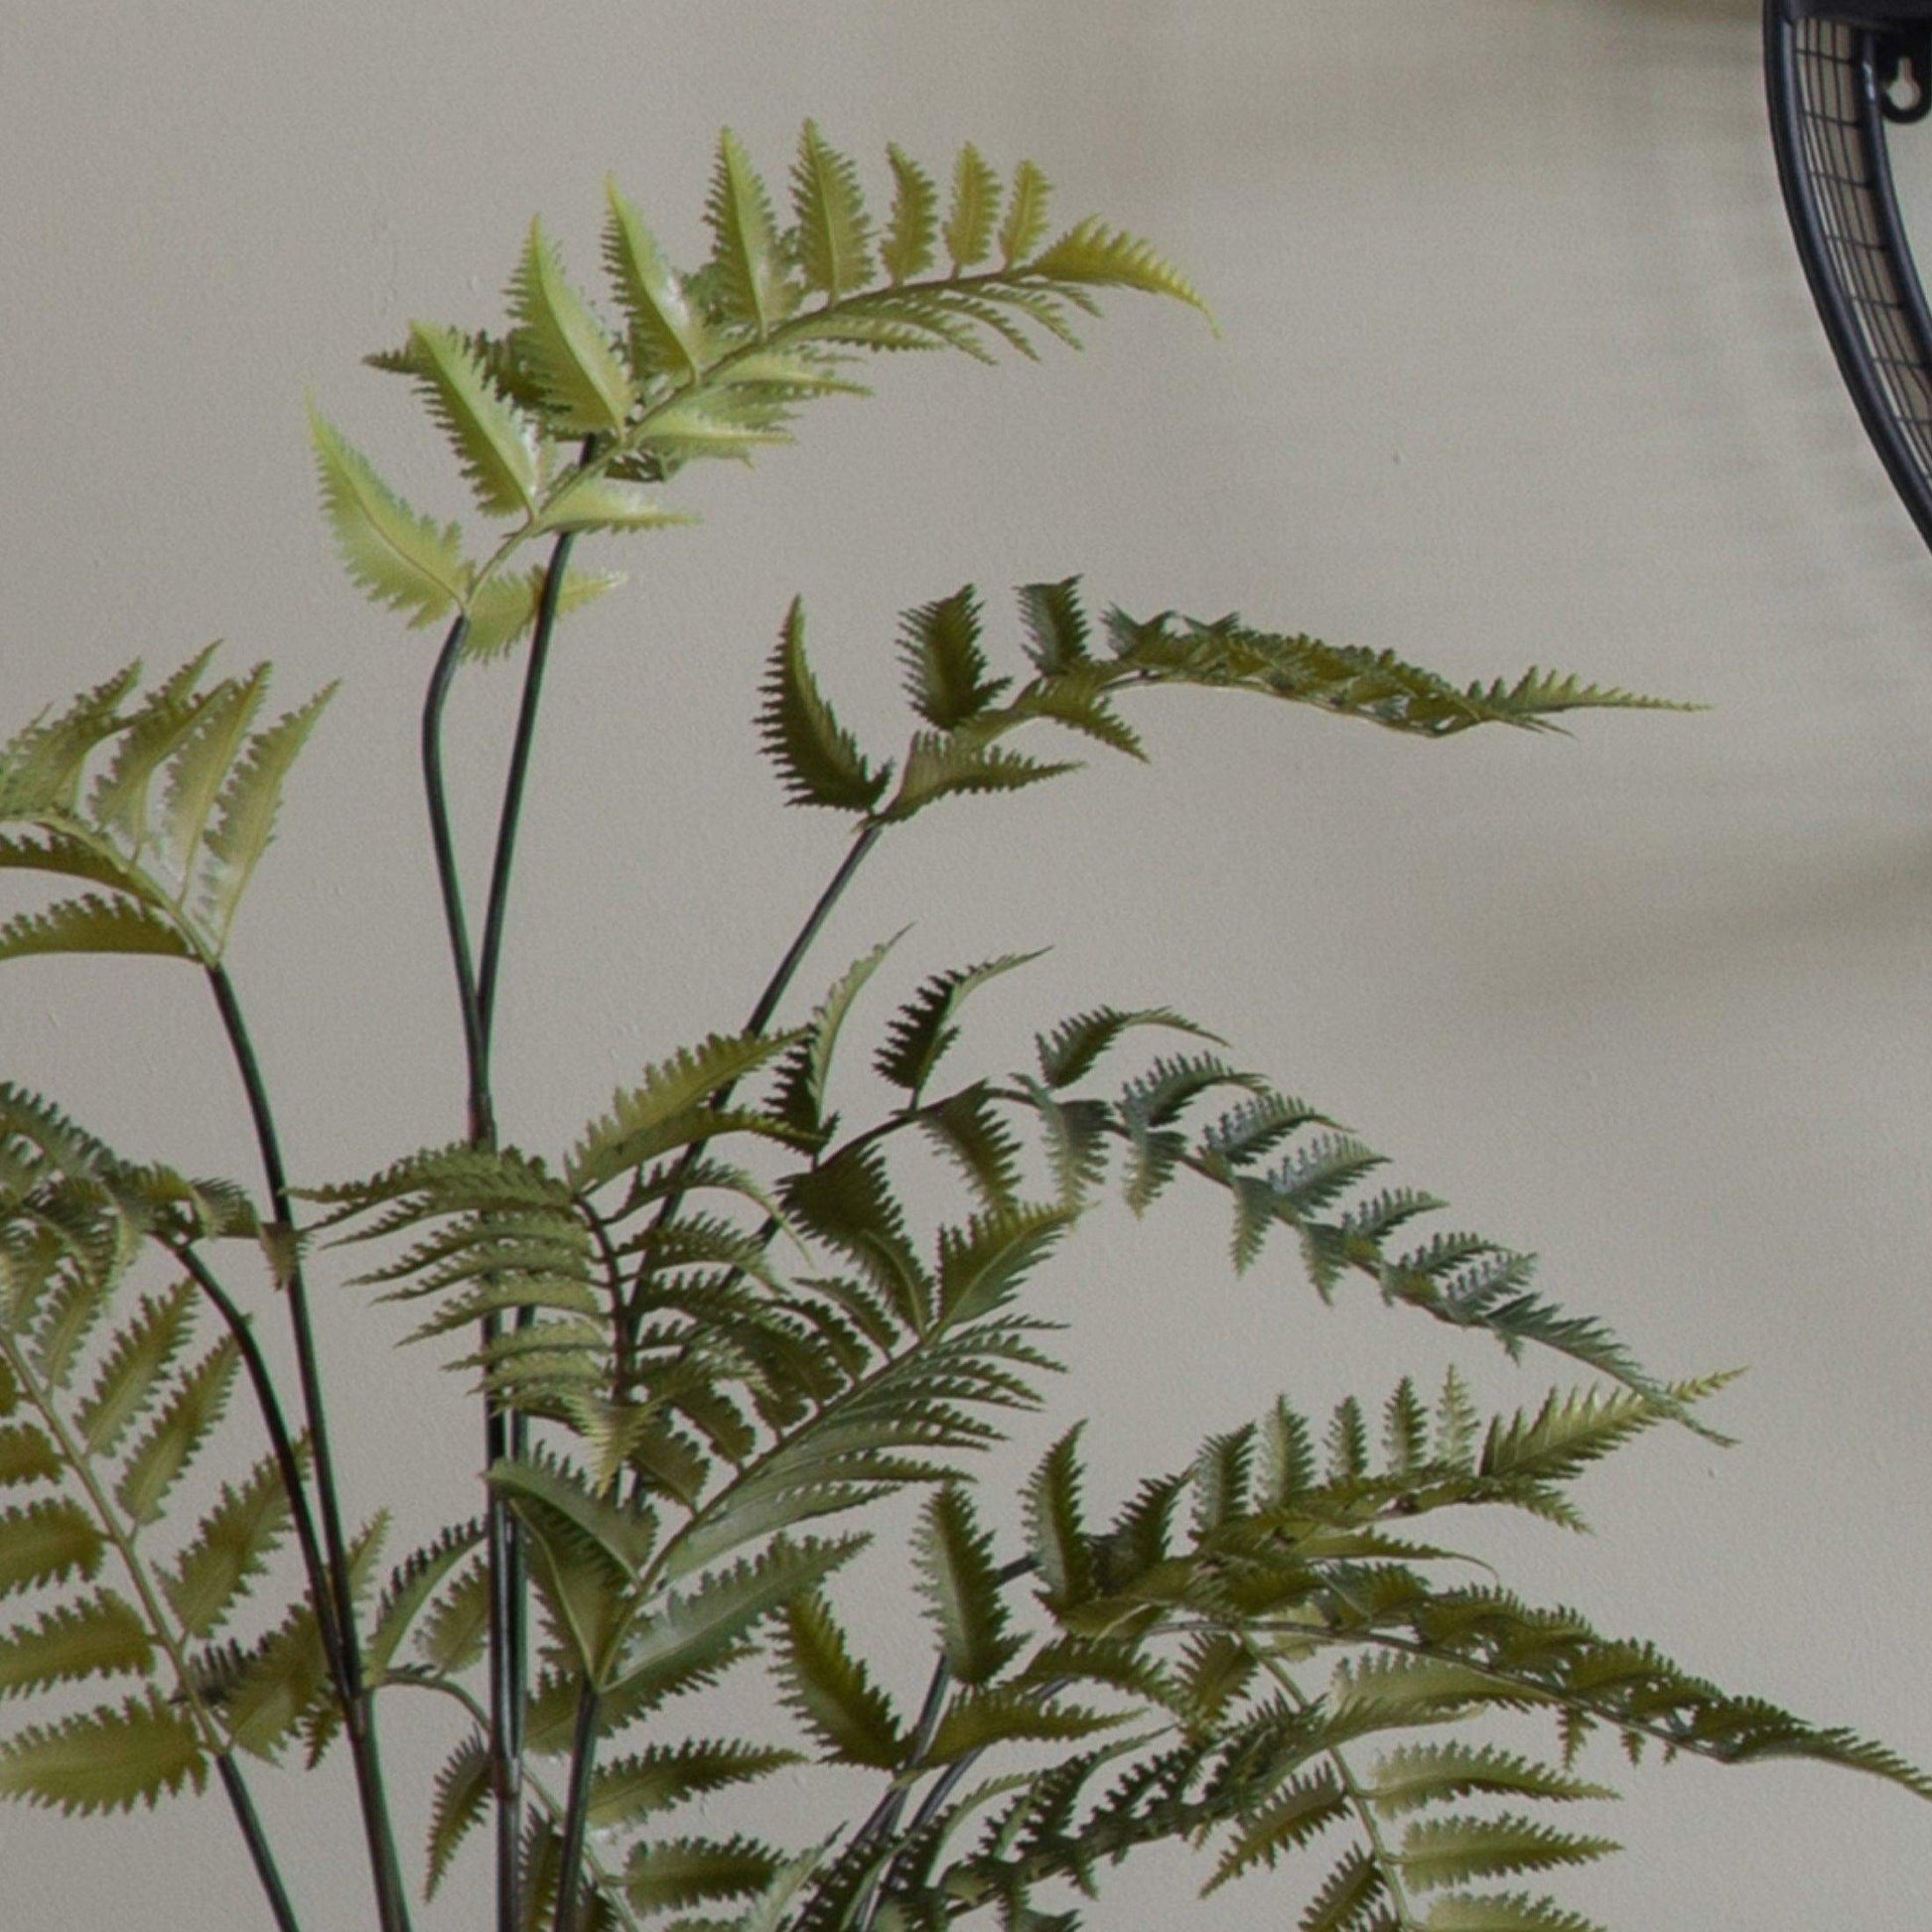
1802, 199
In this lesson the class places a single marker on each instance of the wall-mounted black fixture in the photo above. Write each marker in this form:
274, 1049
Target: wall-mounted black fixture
1841, 73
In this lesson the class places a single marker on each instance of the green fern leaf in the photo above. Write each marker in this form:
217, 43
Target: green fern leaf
1539, 694
1420, 1774
72, 858
131, 1373
1056, 627
1077, 700
681, 1871
982, 1265
947, 680
495, 444
937, 767
912, 235
834, 232
27, 1455
1008, 1713
42, 766
1295, 1816
632, 1788
1070, 1051
922, 1029
230, 1550
452, 1636
251, 798
1091, 252
746, 260
1055, 1533
975, 208
47, 1542
197, 772
1405, 1430
1347, 1897
584, 382
1025, 219
831, 1692
503, 609
101, 1635
653, 1117
597, 503
849, 1203
398, 557
105, 1759
1511, 1912
668, 333
966, 1126
808, 1066
960, 1581
155, 733
91, 923
1452, 1851
1457, 1423
171, 1443
462, 1796
818, 761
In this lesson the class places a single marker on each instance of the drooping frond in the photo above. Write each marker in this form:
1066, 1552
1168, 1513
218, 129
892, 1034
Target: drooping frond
819, 762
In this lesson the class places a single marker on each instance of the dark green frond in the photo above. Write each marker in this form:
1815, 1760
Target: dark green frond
924, 1029
948, 681
819, 762
832, 1694
960, 1582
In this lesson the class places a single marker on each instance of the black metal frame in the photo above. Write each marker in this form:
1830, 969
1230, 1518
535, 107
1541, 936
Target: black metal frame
1838, 73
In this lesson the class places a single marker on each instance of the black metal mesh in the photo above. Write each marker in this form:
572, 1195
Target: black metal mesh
1829, 127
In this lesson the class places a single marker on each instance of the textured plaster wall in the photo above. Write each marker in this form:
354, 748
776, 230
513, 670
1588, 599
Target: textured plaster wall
1517, 367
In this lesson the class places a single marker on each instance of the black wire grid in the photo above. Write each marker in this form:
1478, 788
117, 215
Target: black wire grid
1839, 74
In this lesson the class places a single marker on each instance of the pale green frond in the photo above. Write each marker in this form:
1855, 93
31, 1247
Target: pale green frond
230, 1550
982, 1265
130, 1375
397, 556
947, 678
1452, 1851
1574, 1429
640, 1117
1056, 1531
70, 857
1456, 1422
808, 1070
1420, 1774
42, 766
960, 1582
495, 444
1057, 630
834, 230
1405, 1430
924, 1027
668, 331
154, 734
681, 1871
832, 1694
598, 502
1503, 1912
459, 1799
629, 1789
1293, 1818
105, 1759
974, 209
247, 809
715, 419
45, 1543
454, 1632
586, 385
1025, 219
504, 607
27, 1455
101, 1635
913, 233
91, 923
200, 769
938, 765
819, 762
177, 1434
1540, 694
746, 260
1091, 252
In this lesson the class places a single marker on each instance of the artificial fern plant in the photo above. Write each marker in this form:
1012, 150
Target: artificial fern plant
726, 1329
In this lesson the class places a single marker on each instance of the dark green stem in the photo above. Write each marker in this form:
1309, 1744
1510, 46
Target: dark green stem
576, 1809
251, 1831
336, 1603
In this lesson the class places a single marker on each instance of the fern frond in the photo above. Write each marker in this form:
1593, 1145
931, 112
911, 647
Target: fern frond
40, 767
960, 1582
632, 1788
495, 444
105, 1759
819, 762
101, 1635
948, 681
974, 209
680, 1871
504, 606
746, 260
940, 765
926, 1026
1420, 1774
1452, 1851
585, 383
91, 923
668, 333
807, 1067
461, 1795
230, 1550
1056, 1530
1025, 218
1293, 1819
834, 231
832, 1694
157, 1461
912, 235
47, 1542
397, 556
608, 504
1091, 252
131, 1372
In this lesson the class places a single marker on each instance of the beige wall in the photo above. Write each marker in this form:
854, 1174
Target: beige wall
1518, 366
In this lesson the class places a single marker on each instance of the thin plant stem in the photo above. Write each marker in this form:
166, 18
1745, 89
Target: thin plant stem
256, 1839
576, 1808
338, 1603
